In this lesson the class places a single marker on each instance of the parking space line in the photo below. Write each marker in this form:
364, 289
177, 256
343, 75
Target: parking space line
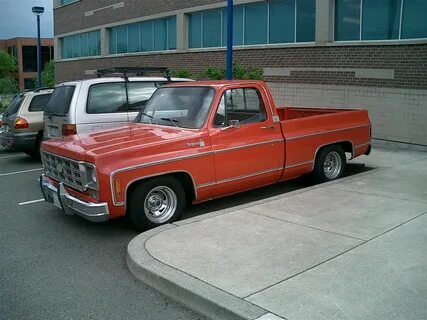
30, 202
19, 172
13, 156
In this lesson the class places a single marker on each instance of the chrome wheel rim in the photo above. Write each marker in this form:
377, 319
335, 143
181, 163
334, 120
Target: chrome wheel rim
160, 204
332, 165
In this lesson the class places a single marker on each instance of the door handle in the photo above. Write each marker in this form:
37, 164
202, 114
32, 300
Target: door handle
271, 127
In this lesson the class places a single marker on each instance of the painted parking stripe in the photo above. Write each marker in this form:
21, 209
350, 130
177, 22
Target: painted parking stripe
19, 172
30, 202
14, 156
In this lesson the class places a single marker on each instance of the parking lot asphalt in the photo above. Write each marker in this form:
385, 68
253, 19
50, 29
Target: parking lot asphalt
59, 267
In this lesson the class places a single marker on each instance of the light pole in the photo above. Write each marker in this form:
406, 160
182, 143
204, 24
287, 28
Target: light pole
38, 11
229, 39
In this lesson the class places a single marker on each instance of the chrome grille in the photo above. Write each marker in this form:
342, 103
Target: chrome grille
63, 169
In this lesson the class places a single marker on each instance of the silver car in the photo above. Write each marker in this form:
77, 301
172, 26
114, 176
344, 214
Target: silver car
86, 106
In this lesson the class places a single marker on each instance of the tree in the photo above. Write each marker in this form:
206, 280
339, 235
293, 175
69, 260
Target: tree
49, 74
8, 67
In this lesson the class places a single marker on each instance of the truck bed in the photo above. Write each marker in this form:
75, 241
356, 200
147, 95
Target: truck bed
290, 113
306, 130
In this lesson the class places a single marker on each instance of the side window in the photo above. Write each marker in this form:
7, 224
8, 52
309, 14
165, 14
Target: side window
245, 105
106, 98
139, 93
39, 102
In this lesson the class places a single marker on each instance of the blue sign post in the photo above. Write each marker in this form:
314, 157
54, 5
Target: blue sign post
229, 39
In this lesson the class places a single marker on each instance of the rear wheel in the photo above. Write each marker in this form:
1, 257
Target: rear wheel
330, 164
156, 201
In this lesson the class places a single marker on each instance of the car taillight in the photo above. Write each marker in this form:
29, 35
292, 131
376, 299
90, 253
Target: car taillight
68, 129
21, 123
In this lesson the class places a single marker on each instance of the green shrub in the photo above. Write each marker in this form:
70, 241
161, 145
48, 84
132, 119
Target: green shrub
239, 73
183, 73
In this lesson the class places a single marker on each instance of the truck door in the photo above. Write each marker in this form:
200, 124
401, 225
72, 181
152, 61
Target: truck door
247, 145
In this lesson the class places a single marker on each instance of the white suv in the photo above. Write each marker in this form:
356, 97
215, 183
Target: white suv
96, 104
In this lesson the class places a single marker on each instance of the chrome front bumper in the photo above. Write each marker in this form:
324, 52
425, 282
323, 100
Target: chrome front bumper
95, 212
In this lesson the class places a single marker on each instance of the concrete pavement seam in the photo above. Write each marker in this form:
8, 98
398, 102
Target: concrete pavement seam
379, 195
306, 226
336, 256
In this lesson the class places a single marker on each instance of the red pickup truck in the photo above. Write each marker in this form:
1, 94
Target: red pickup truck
194, 142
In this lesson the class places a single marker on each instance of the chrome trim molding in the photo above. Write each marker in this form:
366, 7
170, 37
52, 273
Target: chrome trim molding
248, 146
331, 143
156, 175
325, 132
149, 164
208, 184
299, 164
362, 145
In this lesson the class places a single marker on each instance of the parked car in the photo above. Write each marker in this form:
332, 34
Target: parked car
101, 103
22, 121
194, 142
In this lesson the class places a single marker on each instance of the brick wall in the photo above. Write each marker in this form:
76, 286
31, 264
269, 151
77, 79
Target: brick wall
407, 62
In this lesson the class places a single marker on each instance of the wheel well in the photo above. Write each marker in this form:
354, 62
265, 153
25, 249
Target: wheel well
183, 177
346, 145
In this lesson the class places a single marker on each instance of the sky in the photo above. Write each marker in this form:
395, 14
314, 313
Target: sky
17, 19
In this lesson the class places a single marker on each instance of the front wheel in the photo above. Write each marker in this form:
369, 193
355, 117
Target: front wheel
330, 164
155, 202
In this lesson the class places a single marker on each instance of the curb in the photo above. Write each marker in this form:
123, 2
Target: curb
193, 292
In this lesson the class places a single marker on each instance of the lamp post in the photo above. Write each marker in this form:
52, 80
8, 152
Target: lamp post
229, 39
38, 11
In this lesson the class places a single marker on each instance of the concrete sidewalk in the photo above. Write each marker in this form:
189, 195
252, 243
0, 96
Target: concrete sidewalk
349, 249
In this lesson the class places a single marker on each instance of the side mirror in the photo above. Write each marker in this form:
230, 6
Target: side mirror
232, 124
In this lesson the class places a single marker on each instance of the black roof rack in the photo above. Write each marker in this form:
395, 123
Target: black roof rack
137, 70
43, 88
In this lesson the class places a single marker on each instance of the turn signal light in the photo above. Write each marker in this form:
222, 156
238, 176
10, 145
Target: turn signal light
117, 188
21, 123
68, 129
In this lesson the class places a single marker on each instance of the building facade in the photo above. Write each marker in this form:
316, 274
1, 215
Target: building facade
24, 50
341, 53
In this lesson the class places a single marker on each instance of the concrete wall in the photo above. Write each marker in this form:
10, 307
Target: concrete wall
398, 115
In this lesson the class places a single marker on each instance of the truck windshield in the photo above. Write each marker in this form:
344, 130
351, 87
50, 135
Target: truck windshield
59, 103
185, 107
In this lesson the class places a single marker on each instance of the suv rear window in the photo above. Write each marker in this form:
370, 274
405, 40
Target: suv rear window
14, 105
39, 102
59, 103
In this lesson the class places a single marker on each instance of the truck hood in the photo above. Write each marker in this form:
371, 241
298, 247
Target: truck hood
124, 140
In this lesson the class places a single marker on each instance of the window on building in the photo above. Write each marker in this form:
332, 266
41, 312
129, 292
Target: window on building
267, 22
64, 2
29, 83
13, 51
29, 59
380, 19
153, 35
47, 55
81, 45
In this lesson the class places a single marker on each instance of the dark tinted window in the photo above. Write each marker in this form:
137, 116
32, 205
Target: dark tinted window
14, 105
107, 98
39, 102
59, 103
139, 93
